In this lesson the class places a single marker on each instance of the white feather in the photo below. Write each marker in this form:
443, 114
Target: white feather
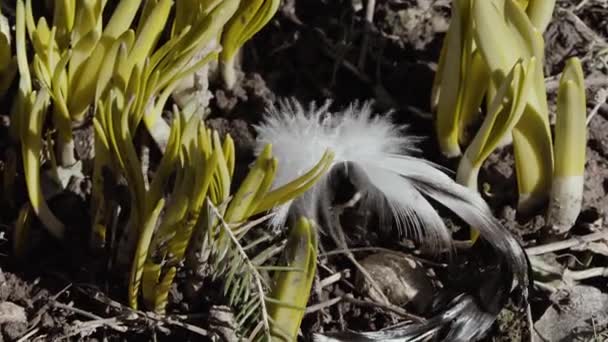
300, 137
397, 185
377, 153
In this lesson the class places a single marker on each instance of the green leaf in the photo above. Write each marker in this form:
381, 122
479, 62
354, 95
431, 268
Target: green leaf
31, 138
141, 253
289, 295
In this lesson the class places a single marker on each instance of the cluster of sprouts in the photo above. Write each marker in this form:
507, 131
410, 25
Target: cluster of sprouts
495, 49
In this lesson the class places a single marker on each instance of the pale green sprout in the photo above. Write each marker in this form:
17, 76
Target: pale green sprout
462, 78
8, 70
531, 136
31, 138
64, 14
250, 17
5, 42
110, 56
194, 177
205, 167
460, 82
504, 33
8, 64
25, 80
570, 149
540, 13
55, 65
504, 113
30, 111
77, 78
116, 140
191, 94
122, 77
292, 287
21, 233
146, 82
171, 63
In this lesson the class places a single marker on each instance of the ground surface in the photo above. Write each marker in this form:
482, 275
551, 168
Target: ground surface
313, 50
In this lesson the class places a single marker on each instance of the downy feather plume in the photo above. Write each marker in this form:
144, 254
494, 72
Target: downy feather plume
377, 158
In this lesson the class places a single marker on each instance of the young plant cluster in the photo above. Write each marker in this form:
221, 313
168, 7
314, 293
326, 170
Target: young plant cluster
120, 74
495, 49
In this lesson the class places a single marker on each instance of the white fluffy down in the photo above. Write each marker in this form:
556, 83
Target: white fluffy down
395, 183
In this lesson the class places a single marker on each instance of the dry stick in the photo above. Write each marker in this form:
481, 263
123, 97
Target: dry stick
381, 249
344, 281
584, 28
395, 309
101, 297
29, 334
332, 279
339, 238
545, 287
323, 305
586, 274
589, 33
600, 98
572, 242
581, 5
85, 328
192, 328
389, 307
40, 312
568, 275
76, 310
530, 322
341, 241
318, 286
341, 318
369, 21
396, 326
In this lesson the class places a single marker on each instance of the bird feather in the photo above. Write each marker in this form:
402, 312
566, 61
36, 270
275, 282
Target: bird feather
377, 155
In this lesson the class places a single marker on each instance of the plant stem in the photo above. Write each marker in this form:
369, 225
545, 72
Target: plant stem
565, 203
66, 150
229, 72
467, 174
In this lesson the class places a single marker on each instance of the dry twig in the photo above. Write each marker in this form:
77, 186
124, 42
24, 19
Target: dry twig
572, 242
